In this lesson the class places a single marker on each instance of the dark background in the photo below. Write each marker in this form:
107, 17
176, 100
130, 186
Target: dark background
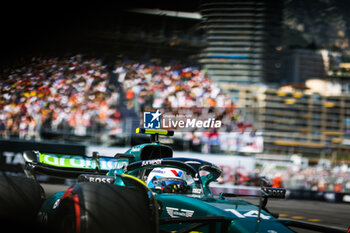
31, 29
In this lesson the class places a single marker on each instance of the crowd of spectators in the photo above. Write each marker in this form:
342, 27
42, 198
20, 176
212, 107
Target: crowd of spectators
315, 178
68, 95
77, 96
172, 86
180, 91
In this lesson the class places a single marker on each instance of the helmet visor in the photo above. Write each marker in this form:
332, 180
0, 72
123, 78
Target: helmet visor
162, 182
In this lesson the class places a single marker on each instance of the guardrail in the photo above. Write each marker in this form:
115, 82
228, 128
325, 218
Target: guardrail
290, 194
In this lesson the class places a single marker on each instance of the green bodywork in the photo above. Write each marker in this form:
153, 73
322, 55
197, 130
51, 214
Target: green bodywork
80, 162
243, 216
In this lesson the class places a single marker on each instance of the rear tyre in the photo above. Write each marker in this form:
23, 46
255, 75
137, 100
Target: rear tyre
98, 207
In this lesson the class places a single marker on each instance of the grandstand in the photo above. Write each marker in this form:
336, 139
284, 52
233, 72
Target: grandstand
81, 99
121, 47
53, 97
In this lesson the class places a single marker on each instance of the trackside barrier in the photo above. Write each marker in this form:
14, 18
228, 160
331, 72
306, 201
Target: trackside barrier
319, 195
291, 193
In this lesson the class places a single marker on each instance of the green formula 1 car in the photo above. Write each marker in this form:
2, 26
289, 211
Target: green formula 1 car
147, 190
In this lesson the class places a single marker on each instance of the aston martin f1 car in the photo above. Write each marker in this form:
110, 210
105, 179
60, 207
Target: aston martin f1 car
146, 189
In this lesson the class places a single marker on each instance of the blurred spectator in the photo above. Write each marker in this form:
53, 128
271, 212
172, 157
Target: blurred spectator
277, 181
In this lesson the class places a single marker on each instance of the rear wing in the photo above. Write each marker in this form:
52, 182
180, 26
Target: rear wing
71, 166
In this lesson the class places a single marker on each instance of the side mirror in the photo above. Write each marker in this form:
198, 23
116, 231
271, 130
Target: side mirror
273, 192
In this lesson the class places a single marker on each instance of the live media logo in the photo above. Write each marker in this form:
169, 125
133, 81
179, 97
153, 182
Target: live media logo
151, 120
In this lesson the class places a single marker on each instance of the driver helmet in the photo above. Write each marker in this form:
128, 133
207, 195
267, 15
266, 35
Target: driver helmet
158, 178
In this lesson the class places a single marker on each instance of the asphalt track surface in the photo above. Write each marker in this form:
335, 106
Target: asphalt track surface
318, 212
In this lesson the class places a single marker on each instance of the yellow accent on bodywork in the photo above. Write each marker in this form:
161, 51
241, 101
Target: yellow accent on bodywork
138, 180
152, 131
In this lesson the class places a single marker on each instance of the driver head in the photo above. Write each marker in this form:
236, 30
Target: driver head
158, 178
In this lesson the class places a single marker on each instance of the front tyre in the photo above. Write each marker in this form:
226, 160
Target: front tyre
20, 201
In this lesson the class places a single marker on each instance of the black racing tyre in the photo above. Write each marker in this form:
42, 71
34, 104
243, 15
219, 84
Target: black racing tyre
99, 207
20, 201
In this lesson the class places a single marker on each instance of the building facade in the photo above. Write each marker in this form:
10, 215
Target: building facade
299, 65
243, 40
300, 121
